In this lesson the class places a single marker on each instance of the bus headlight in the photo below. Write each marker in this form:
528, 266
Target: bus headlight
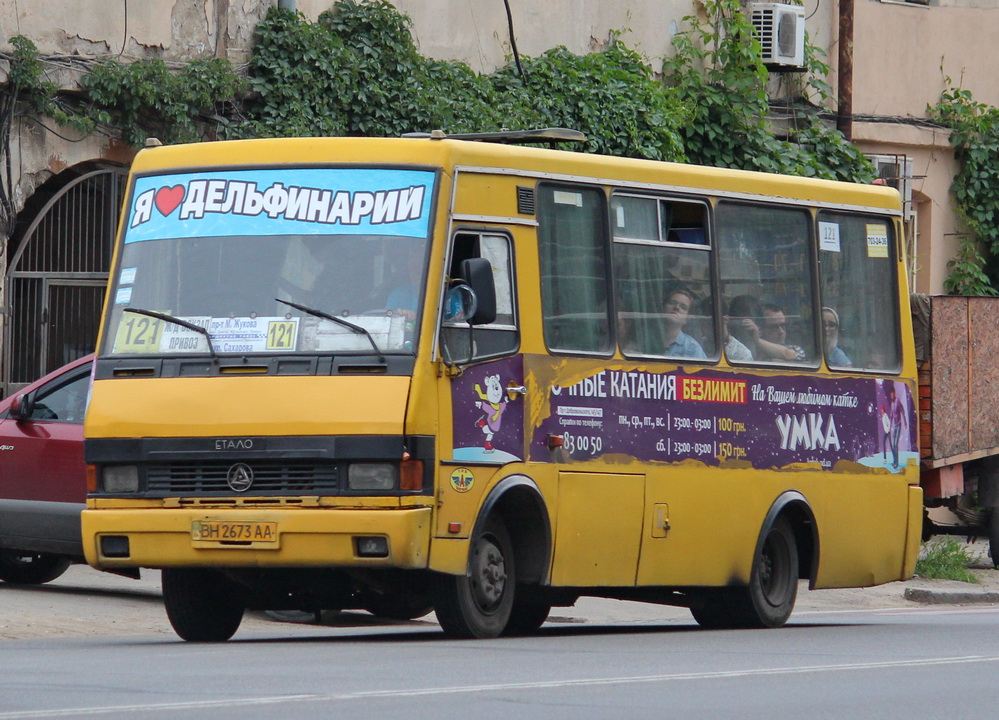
371, 476
120, 479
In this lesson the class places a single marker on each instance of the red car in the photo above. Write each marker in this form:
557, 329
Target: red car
43, 484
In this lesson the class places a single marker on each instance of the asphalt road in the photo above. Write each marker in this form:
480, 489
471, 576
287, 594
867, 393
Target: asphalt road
92, 645
911, 663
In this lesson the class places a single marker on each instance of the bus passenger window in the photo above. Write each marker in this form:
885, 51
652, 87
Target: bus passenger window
765, 259
461, 343
859, 288
572, 250
662, 278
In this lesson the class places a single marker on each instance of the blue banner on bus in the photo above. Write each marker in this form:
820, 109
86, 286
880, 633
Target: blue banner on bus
282, 201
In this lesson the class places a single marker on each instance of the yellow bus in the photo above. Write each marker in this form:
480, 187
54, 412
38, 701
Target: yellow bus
483, 378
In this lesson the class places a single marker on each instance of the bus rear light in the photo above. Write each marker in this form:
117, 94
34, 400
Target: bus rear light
411, 475
91, 478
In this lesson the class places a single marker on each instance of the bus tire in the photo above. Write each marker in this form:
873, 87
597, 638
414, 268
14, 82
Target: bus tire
23, 568
527, 615
773, 585
202, 604
479, 603
769, 598
398, 606
717, 609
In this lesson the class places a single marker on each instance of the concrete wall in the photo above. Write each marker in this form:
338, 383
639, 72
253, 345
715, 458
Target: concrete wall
478, 32
908, 54
171, 29
905, 56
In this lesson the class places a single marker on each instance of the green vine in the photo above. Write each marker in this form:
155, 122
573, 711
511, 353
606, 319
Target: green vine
975, 138
136, 99
146, 98
357, 71
718, 70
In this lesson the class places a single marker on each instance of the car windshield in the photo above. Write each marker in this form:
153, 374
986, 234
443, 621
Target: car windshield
205, 275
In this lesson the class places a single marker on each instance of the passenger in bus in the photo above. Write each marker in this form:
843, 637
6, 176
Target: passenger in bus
734, 348
743, 312
773, 336
834, 354
747, 322
677, 311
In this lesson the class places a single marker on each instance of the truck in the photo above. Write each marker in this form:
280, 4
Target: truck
957, 341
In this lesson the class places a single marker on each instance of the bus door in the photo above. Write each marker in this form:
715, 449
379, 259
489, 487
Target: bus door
572, 429
485, 395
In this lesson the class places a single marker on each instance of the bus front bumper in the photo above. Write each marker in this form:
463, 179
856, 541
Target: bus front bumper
306, 537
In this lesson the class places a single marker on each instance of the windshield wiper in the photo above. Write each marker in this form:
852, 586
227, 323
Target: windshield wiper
177, 321
339, 321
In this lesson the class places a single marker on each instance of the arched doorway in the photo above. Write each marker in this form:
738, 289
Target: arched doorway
57, 275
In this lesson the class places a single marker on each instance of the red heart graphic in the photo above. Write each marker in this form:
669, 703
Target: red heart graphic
168, 198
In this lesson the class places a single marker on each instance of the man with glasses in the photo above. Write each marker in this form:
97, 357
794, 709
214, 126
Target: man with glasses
773, 333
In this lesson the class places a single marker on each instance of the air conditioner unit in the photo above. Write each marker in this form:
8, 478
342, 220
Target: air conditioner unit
896, 172
780, 30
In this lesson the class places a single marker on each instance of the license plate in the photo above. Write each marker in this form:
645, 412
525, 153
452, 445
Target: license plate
230, 532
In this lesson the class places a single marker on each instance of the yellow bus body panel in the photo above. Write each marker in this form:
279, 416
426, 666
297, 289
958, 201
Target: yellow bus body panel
247, 405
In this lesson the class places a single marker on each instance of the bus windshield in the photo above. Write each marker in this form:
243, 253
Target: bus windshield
347, 278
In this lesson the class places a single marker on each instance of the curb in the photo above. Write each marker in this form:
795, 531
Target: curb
950, 597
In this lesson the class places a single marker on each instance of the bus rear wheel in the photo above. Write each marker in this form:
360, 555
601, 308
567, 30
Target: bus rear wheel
528, 614
769, 598
202, 604
479, 603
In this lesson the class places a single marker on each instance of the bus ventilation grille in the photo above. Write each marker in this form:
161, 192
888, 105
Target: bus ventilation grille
268, 479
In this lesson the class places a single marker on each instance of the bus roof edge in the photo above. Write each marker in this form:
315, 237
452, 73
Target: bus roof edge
541, 135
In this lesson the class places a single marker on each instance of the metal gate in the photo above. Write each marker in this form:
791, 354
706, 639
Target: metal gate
56, 278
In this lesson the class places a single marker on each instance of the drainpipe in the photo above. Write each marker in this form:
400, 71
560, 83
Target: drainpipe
844, 115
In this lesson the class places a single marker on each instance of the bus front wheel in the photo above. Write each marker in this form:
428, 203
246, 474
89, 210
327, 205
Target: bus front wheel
769, 598
202, 604
478, 604
528, 614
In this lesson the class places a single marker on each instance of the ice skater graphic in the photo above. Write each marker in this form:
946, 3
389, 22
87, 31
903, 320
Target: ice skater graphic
892, 421
492, 403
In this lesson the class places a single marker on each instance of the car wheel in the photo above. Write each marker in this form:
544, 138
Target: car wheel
31, 568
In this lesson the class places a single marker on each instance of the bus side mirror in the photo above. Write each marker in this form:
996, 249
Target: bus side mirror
478, 274
21, 407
